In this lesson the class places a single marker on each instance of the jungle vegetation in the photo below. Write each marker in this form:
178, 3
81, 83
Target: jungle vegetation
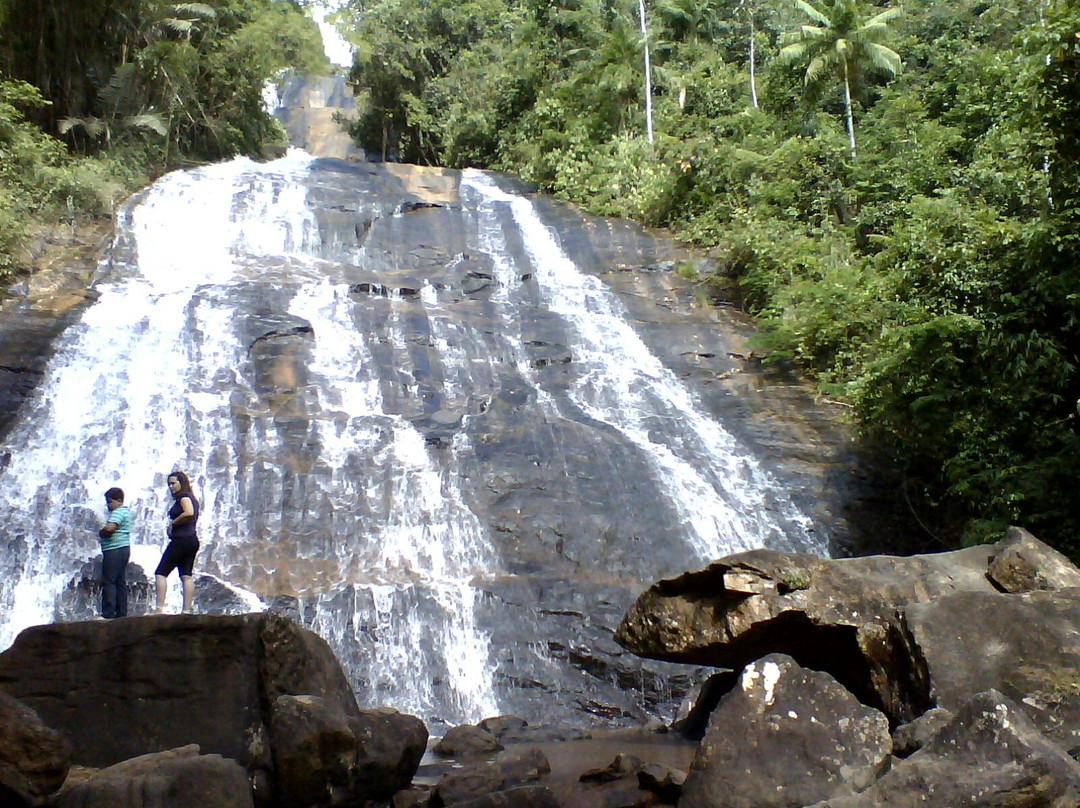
892, 191
98, 96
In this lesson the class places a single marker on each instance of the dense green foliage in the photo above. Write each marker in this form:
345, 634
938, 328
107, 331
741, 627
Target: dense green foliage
933, 282
97, 95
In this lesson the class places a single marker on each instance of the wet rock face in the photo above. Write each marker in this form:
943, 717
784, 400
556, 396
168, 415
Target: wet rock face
503, 427
307, 108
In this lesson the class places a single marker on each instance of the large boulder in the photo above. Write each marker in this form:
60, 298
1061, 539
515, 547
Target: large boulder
314, 752
256, 688
989, 756
177, 778
1022, 563
34, 759
844, 616
783, 738
323, 757
153, 683
1027, 646
390, 746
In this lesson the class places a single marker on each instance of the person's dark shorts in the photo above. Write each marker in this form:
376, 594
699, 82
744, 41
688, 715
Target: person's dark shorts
179, 554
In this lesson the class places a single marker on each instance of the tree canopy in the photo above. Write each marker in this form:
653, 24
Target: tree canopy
98, 94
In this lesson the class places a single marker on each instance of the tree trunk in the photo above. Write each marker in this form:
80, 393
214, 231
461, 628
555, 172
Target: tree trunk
753, 81
648, 72
847, 108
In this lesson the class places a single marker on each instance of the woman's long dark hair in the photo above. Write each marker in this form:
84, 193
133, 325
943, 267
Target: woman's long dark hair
185, 483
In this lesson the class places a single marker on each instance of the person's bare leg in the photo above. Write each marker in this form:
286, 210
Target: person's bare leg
162, 588
189, 592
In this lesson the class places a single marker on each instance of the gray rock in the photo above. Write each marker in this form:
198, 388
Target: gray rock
833, 615
784, 738
177, 778
843, 615
467, 740
989, 756
504, 725
914, 735
510, 769
34, 759
1022, 563
665, 783
622, 766
314, 753
390, 745
1024, 645
130, 679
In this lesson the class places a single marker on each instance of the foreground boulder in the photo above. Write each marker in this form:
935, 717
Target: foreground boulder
162, 682
844, 616
989, 756
390, 746
34, 759
786, 736
178, 778
314, 752
975, 656
1026, 645
256, 689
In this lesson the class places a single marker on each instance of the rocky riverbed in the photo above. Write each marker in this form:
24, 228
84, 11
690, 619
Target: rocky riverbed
937, 681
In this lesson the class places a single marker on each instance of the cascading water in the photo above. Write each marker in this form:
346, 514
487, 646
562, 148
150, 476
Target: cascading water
720, 493
407, 413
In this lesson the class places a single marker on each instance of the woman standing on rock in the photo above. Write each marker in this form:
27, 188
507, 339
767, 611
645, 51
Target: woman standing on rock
183, 541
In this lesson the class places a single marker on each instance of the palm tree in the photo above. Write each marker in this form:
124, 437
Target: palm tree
648, 71
749, 6
840, 44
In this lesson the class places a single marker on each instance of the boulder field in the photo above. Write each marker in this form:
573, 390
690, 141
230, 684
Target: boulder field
933, 680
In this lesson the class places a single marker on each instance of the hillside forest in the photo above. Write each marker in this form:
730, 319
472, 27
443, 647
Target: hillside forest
894, 191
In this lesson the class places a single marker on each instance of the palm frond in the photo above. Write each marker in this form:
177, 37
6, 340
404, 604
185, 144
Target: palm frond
94, 127
179, 26
806, 34
149, 120
121, 87
819, 67
884, 59
871, 33
886, 16
195, 10
791, 53
812, 12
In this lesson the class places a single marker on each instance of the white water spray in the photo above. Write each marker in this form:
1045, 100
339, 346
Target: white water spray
725, 500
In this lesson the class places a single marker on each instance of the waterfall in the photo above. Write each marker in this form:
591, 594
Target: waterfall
356, 473
426, 552
725, 501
